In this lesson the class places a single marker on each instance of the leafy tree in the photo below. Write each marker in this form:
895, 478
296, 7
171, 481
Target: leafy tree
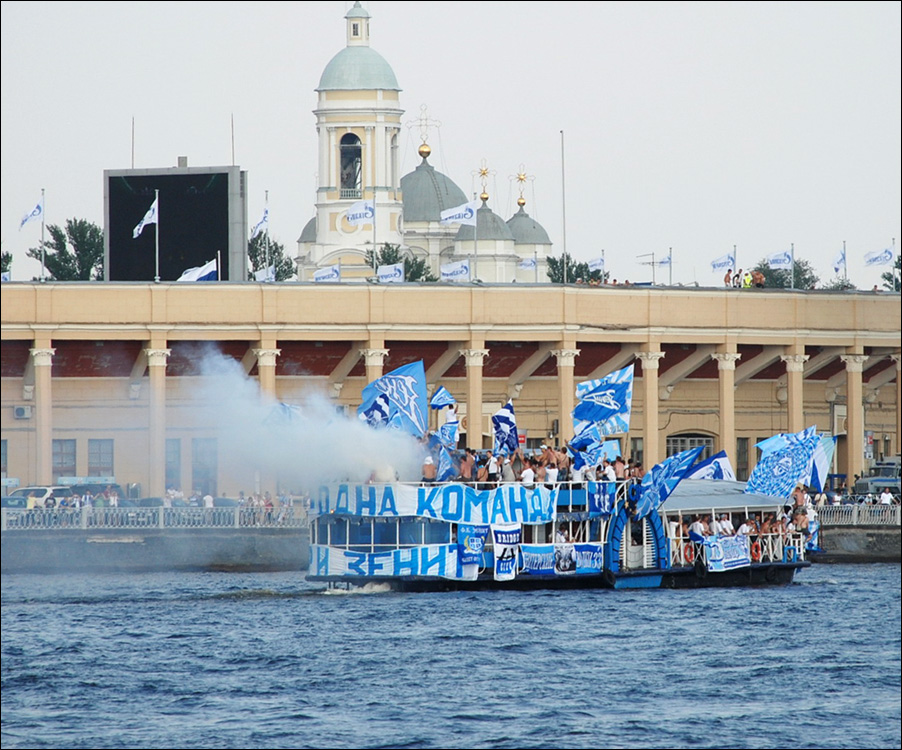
257, 252
83, 262
839, 284
891, 279
415, 269
805, 277
574, 271
6, 262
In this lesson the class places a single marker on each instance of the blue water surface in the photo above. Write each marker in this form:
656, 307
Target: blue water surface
227, 660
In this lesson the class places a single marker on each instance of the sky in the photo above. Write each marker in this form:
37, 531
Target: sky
644, 128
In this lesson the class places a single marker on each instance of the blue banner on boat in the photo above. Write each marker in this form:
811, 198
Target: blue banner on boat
460, 503
471, 540
600, 497
727, 552
589, 558
537, 559
506, 539
431, 560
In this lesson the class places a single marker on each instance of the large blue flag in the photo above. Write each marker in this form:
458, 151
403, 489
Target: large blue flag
447, 434
607, 401
663, 478
376, 414
821, 461
405, 391
785, 461
441, 398
447, 470
504, 424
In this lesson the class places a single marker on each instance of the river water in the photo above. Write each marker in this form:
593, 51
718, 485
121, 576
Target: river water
226, 660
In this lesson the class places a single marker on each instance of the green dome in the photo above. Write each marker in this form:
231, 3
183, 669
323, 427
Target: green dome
427, 193
489, 226
358, 69
308, 234
526, 230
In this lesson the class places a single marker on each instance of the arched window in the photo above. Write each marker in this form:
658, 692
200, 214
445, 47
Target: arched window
350, 166
680, 443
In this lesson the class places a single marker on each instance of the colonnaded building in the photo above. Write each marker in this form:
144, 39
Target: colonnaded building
111, 379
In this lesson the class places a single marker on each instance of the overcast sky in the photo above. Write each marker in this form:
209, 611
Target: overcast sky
642, 126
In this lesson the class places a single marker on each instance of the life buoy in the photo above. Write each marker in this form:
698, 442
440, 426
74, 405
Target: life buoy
756, 551
689, 552
790, 554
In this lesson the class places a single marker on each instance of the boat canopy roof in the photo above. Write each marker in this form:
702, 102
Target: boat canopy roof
704, 495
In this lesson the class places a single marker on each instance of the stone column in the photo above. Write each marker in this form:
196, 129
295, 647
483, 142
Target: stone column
266, 370
374, 358
652, 450
898, 360
42, 358
854, 414
156, 372
566, 361
726, 369
795, 390
474, 359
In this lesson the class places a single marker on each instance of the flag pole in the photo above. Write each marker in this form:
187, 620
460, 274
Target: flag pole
536, 257
563, 212
792, 256
265, 246
218, 258
845, 265
156, 234
43, 213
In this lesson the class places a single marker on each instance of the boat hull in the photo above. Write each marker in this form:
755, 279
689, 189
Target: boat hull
759, 574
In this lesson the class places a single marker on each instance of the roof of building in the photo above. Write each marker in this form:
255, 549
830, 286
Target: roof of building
308, 234
489, 226
526, 230
427, 193
358, 69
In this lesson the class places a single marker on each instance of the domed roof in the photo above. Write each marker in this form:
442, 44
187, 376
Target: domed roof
489, 226
308, 234
526, 230
358, 69
427, 193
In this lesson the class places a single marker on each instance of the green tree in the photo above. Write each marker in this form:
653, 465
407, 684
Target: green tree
261, 247
415, 269
565, 265
6, 262
82, 262
891, 279
839, 284
805, 277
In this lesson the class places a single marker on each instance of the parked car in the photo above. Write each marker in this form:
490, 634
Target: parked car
39, 492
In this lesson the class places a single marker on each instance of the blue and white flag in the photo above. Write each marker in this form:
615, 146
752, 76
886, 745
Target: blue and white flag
607, 401
597, 264
262, 225
6, 276
35, 213
724, 261
666, 261
405, 389
821, 461
780, 260
839, 262
151, 217
504, 424
660, 482
882, 258
506, 538
362, 212
265, 274
441, 398
471, 542
717, 466
457, 271
206, 272
785, 462
448, 434
446, 470
329, 273
462, 214
528, 264
393, 274
376, 414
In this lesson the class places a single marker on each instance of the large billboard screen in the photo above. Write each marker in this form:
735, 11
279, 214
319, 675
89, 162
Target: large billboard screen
200, 217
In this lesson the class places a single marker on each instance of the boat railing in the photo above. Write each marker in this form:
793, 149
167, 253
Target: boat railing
763, 548
69, 519
859, 515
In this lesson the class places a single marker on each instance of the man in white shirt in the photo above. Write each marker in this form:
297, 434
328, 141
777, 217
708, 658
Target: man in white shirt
528, 475
726, 525
551, 473
886, 497
609, 474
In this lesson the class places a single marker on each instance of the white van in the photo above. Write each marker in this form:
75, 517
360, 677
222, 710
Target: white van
22, 497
